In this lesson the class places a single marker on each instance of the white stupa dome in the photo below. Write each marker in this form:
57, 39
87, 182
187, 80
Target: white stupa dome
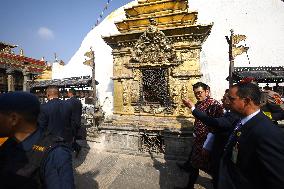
261, 21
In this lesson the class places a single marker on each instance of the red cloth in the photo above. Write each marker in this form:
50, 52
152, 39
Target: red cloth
213, 109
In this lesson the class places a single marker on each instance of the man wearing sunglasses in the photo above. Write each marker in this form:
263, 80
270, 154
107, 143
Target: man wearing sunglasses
254, 154
202, 134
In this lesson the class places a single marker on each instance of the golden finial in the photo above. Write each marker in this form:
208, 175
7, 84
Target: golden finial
21, 52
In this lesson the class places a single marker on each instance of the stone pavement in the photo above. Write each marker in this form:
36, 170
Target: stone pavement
97, 169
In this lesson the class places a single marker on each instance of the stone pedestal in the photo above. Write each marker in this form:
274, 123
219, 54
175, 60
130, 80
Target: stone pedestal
148, 136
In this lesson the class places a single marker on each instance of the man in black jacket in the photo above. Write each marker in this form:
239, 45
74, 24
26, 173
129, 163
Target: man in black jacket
76, 117
56, 115
254, 154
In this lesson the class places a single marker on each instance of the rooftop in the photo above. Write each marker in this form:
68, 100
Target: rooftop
261, 74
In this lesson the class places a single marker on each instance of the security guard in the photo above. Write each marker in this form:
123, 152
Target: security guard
30, 158
76, 114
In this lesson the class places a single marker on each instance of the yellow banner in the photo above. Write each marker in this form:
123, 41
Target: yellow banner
89, 54
89, 62
239, 50
237, 38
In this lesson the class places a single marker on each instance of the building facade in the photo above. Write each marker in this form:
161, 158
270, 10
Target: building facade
16, 70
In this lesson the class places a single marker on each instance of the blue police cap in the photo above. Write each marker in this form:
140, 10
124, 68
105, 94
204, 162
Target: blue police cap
20, 102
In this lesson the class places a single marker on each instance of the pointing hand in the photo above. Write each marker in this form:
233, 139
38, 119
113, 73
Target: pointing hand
187, 103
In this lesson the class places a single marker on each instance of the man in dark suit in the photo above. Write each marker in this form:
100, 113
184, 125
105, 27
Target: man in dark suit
76, 117
222, 127
254, 154
55, 115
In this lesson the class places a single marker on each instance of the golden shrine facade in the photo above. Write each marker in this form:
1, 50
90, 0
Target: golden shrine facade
156, 60
16, 70
159, 40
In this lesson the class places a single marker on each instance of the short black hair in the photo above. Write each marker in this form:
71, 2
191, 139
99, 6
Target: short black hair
249, 90
200, 84
52, 87
72, 91
24, 103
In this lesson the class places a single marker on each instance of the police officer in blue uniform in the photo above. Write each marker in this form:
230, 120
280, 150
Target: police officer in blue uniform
31, 157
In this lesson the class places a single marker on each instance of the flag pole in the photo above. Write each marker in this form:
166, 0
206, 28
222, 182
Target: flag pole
231, 58
94, 79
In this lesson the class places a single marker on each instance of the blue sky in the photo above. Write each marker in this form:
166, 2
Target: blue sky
42, 28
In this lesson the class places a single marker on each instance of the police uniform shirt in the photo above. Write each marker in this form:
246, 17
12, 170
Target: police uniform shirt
58, 171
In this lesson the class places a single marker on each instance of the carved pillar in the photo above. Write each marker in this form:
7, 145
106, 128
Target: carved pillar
11, 79
26, 75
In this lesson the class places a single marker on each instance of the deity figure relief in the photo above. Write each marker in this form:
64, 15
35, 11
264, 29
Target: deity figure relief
183, 92
125, 94
175, 94
134, 95
136, 74
183, 95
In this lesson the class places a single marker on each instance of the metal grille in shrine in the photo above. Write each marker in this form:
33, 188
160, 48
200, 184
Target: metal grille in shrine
155, 87
151, 141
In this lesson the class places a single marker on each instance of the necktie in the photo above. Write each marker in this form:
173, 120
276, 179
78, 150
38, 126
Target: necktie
233, 134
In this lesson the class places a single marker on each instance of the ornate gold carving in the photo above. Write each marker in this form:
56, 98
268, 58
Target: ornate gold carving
153, 48
156, 57
136, 74
125, 94
134, 92
175, 94
153, 109
183, 95
181, 73
183, 92
190, 54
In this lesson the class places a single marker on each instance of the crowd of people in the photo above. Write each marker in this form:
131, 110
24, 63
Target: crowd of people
41, 139
236, 142
243, 148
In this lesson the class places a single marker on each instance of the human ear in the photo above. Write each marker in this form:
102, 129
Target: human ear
247, 100
207, 92
14, 119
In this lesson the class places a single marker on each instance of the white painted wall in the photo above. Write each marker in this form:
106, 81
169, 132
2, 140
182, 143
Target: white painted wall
261, 21
103, 59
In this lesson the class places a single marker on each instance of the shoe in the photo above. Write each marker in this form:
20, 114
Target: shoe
183, 166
